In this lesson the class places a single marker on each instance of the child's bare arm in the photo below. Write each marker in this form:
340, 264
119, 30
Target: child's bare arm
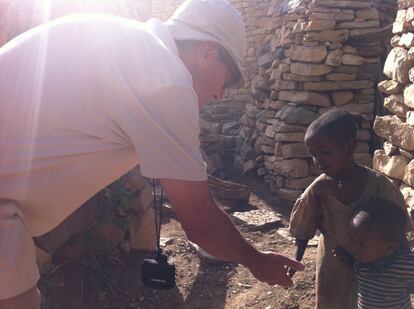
301, 245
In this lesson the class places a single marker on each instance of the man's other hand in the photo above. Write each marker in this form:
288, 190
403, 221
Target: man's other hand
271, 268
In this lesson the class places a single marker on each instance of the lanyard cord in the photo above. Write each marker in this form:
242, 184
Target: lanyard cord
157, 214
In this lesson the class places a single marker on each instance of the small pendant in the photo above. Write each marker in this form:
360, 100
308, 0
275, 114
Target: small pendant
340, 184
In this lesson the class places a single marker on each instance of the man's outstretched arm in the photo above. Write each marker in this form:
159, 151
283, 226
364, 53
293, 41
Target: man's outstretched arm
209, 227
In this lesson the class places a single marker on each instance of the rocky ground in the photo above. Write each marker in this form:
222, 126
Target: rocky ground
102, 281
114, 281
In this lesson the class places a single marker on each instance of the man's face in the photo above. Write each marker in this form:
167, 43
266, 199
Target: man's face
213, 73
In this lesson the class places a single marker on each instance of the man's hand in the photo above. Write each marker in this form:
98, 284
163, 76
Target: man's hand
209, 227
271, 268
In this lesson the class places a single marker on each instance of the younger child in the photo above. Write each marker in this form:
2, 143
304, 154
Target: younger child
384, 263
327, 204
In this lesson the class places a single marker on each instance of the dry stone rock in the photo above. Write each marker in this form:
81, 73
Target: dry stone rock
390, 87
399, 27
293, 168
289, 137
334, 58
296, 115
342, 97
404, 4
389, 149
343, 4
349, 50
258, 219
408, 154
349, 59
395, 104
408, 193
307, 69
411, 75
409, 96
358, 24
397, 65
294, 150
410, 118
281, 84
340, 77
305, 97
400, 15
407, 40
333, 36
394, 130
281, 126
346, 69
333, 86
331, 16
249, 166
357, 32
409, 174
300, 78
367, 14
409, 15
393, 167
321, 24
352, 108
315, 54
395, 41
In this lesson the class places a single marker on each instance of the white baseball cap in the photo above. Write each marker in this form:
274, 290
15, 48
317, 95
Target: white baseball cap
212, 20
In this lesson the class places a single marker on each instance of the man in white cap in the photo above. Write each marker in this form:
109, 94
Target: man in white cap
85, 98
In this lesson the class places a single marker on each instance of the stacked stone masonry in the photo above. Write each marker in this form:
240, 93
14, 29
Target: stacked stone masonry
219, 122
396, 159
308, 66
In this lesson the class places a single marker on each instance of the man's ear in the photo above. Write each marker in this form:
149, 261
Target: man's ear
207, 54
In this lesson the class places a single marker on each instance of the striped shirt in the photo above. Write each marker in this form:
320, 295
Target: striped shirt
388, 287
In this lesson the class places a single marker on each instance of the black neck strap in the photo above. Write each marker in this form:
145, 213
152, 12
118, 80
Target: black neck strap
157, 213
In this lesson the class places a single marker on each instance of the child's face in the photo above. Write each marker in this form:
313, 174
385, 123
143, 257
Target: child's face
370, 243
329, 155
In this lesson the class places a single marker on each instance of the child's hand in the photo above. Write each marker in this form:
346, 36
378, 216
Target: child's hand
290, 272
343, 255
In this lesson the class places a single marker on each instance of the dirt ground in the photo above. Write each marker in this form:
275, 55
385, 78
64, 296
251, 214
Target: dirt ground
98, 282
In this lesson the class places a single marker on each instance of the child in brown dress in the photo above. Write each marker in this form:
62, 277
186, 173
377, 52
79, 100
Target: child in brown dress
327, 205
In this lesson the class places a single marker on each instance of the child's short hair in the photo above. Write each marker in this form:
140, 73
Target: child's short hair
384, 215
338, 124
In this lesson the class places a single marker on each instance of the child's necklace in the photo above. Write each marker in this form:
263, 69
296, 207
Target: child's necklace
340, 183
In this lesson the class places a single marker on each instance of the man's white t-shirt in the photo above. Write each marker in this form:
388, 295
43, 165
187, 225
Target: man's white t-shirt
85, 98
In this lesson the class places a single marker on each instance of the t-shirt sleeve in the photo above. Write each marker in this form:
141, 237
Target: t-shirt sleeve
304, 216
154, 104
163, 127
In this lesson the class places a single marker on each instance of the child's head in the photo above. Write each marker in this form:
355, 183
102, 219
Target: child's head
331, 139
377, 229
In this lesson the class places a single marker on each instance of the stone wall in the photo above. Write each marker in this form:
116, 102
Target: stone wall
18, 16
313, 59
220, 121
396, 159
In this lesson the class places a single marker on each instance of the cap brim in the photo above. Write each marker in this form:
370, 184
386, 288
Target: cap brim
181, 31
